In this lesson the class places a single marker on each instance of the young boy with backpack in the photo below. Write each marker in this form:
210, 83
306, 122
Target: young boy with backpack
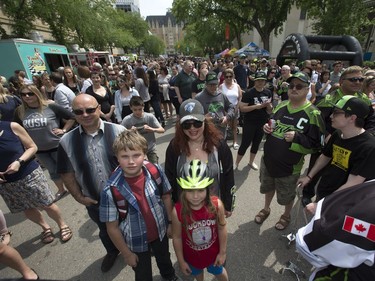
145, 208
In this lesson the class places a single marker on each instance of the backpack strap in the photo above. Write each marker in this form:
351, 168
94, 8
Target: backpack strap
120, 202
155, 175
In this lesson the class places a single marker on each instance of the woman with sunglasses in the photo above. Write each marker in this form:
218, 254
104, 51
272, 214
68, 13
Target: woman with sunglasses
122, 98
42, 119
103, 96
234, 94
196, 138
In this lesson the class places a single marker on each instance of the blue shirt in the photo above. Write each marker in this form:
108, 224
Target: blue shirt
133, 228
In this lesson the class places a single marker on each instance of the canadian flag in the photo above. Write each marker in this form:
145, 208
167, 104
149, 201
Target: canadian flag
359, 227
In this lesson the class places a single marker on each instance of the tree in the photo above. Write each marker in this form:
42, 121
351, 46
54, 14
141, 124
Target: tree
153, 45
21, 13
338, 17
266, 17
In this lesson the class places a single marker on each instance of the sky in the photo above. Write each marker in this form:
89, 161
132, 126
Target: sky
154, 7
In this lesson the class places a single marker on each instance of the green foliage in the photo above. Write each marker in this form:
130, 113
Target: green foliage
338, 17
153, 45
22, 14
266, 17
89, 23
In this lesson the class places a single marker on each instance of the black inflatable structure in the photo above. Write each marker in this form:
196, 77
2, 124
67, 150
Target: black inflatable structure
298, 46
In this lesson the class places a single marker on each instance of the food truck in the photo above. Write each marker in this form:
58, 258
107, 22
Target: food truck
90, 57
32, 57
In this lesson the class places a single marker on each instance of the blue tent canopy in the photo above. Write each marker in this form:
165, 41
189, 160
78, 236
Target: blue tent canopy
252, 49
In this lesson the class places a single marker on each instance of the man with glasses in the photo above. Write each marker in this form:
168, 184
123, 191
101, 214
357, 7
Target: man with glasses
297, 129
348, 158
351, 81
217, 107
85, 162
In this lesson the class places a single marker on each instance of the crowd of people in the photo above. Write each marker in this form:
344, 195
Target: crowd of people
94, 130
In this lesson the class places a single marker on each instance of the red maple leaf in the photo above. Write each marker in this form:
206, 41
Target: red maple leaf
360, 227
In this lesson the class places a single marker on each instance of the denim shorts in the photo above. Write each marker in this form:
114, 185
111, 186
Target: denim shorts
215, 270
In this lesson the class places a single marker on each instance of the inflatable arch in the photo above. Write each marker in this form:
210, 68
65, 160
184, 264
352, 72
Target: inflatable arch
344, 48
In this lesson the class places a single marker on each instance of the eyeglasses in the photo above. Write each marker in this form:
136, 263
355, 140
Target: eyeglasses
313, 65
354, 79
120, 81
229, 76
297, 86
272, 72
187, 125
87, 110
30, 94
112, 74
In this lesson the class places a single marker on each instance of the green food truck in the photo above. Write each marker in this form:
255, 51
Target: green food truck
31, 57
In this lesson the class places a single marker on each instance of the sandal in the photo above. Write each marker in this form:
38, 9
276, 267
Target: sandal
47, 236
283, 222
262, 216
5, 237
65, 234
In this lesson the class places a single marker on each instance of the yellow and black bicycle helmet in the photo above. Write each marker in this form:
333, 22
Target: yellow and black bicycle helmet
194, 175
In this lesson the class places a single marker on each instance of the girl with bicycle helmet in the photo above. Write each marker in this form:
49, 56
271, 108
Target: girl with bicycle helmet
199, 225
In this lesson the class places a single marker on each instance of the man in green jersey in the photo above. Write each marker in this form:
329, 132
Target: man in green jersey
298, 130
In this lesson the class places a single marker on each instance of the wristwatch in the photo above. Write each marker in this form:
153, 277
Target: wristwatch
22, 162
64, 131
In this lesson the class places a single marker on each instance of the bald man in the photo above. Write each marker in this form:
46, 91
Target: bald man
85, 162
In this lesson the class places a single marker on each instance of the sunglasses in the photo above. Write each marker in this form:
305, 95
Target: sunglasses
297, 86
120, 81
87, 110
196, 124
354, 79
228, 76
273, 72
30, 94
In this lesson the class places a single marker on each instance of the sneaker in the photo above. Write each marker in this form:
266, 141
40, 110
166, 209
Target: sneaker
254, 166
236, 146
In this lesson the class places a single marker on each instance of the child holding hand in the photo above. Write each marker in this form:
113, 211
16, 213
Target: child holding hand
199, 225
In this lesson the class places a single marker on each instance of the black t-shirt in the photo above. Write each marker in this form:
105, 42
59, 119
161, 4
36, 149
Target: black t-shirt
253, 97
198, 85
354, 156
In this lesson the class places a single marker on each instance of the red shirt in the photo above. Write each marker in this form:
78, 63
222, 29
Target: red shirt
201, 243
137, 185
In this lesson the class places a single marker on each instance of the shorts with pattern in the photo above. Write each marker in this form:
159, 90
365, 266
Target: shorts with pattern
285, 187
30, 192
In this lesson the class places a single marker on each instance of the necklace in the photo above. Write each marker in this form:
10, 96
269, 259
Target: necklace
195, 145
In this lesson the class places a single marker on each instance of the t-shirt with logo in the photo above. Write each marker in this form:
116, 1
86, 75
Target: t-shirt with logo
284, 158
354, 156
253, 97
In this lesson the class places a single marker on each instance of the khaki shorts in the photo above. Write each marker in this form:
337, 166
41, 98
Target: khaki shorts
285, 187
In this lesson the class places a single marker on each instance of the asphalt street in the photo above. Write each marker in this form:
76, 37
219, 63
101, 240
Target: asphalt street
254, 252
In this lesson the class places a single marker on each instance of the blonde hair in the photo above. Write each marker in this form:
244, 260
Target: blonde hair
42, 103
350, 70
131, 140
3, 94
